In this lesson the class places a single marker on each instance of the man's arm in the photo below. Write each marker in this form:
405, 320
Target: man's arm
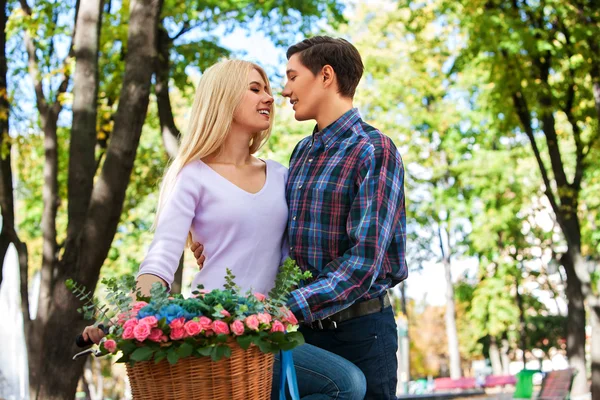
373, 219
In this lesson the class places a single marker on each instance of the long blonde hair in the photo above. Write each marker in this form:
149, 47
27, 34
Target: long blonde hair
219, 92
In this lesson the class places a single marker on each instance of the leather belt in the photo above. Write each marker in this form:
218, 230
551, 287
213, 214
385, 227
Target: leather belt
354, 311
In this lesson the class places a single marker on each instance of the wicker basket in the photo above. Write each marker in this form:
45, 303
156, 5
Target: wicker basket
247, 374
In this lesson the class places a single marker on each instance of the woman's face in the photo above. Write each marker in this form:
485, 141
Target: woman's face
254, 111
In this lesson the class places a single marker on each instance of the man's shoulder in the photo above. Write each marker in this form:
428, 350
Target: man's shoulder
372, 140
300, 146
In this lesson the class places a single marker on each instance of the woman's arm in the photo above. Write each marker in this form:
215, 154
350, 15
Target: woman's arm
145, 281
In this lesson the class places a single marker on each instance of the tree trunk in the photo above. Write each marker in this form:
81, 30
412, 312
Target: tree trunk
495, 357
8, 233
178, 278
82, 162
83, 260
522, 323
505, 358
575, 327
6, 188
595, 353
450, 317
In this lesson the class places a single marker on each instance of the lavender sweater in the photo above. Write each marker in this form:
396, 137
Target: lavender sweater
239, 230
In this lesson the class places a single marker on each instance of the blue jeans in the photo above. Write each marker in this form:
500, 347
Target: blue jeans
370, 342
322, 376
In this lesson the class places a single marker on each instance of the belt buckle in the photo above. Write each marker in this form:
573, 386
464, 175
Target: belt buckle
318, 324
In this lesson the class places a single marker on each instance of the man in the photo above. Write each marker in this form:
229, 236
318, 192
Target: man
347, 221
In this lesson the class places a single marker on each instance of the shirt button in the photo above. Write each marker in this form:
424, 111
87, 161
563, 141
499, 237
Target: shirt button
294, 218
300, 186
310, 160
291, 248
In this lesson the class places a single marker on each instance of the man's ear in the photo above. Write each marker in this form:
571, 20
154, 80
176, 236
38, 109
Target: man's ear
328, 75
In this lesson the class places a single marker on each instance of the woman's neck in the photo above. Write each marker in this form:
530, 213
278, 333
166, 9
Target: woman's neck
235, 150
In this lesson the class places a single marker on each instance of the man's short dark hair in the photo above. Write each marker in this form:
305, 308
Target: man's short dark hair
341, 55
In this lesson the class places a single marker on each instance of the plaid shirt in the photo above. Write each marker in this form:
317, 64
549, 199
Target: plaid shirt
347, 223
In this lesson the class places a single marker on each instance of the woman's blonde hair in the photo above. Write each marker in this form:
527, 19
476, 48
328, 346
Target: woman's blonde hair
219, 92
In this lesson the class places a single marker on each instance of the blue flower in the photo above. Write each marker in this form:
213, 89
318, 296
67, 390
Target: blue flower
171, 312
146, 312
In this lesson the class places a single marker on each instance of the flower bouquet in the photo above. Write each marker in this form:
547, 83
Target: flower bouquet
217, 344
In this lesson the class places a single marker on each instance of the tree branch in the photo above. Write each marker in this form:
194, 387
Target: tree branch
525, 117
170, 133
568, 110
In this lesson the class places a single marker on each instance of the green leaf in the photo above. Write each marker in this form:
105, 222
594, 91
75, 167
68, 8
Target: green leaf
204, 351
185, 350
172, 356
244, 341
142, 354
159, 356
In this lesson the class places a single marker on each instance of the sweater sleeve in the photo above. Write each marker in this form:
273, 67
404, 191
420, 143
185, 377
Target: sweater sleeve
174, 224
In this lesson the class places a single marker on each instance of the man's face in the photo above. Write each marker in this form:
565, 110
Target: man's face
304, 89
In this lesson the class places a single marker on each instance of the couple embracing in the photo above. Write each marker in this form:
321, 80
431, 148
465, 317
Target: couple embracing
338, 212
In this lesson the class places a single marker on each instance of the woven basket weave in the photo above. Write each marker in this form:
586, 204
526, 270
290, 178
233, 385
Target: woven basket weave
247, 374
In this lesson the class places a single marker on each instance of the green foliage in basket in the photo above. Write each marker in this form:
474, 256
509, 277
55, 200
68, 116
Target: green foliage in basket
164, 326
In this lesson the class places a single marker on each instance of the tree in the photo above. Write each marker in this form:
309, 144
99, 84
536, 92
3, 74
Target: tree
108, 115
543, 83
8, 234
94, 209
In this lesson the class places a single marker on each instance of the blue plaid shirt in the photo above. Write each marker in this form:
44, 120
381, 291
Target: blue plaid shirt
347, 223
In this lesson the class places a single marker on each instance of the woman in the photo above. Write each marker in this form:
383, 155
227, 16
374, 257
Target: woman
217, 193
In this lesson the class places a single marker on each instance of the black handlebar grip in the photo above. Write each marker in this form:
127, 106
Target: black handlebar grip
81, 342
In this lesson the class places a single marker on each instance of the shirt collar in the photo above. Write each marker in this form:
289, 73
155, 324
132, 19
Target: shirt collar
336, 128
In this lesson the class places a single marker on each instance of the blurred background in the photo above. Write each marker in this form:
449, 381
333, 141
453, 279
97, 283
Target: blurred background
494, 105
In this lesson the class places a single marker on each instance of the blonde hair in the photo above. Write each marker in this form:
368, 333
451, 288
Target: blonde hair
219, 92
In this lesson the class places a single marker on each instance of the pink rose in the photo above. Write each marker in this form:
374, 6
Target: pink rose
121, 318
141, 332
289, 316
177, 323
220, 328
225, 313
252, 322
292, 319
137, 306
260, 296
264, 318
128, 333
237, 327
192, 328
150, 321
130, 323
155, 335
277, 327
177, 333
110, 345
205, 323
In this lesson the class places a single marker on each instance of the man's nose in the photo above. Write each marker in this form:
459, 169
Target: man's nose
286, 92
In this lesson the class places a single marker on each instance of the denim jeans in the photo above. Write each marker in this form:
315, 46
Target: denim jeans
322, 376
370, 342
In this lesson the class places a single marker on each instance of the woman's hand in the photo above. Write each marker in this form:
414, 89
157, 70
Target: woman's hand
93, 333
